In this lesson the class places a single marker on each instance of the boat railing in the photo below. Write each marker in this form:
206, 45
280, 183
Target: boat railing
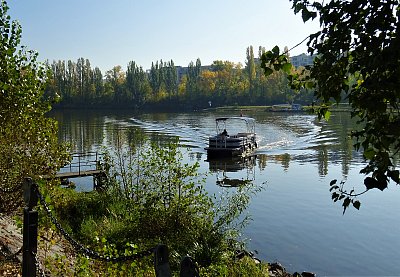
218, 143
244, 134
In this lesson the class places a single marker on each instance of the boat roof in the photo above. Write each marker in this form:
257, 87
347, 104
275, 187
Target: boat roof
245, 118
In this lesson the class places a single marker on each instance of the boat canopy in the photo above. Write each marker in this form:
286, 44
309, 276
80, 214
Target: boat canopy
247, 119
221, 123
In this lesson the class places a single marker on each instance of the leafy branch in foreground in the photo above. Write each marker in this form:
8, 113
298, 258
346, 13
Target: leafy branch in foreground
357, 60
347, 197
28, 142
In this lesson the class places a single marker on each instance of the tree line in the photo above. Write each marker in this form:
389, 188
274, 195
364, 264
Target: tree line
165, 85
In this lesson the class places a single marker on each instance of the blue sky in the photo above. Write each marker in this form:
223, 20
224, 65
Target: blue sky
110, 33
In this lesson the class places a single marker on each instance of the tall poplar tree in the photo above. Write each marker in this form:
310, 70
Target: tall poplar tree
137, 84
251, 70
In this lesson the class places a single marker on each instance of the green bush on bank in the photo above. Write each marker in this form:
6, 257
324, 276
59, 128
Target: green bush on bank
151, 197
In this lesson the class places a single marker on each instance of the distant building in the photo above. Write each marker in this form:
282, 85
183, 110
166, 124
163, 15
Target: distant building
180, 71
302, 60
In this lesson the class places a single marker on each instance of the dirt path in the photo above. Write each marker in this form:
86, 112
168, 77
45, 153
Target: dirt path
11, 242
10, 236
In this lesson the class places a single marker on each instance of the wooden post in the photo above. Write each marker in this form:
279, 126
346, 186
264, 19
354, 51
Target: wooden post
29, 246
79, 164
30, 229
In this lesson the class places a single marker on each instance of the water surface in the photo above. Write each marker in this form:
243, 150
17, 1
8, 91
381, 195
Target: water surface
294, 221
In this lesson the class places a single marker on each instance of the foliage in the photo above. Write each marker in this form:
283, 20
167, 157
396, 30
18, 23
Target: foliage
357, 60
165, 85
28, 140
151, 197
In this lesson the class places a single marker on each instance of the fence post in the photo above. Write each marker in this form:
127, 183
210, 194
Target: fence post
79, 163
30, 229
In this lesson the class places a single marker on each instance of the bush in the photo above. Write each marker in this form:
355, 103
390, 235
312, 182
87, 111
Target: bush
152, 198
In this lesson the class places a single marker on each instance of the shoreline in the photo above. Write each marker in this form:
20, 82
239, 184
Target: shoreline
11, 240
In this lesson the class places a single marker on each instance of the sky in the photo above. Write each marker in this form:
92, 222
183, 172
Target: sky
111, 33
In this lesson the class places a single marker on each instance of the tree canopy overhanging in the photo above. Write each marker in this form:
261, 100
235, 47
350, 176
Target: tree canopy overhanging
28, 142
357, 60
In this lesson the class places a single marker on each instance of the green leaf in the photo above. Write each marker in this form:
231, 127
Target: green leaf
371, 183
369, 153
309, 85
356, 204
346, 202
333, 188
287, 67
394, 175
275, 50
298, 7
306, 15
327, 115
268, 71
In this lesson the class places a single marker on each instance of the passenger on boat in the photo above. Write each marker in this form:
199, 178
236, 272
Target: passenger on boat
225, 133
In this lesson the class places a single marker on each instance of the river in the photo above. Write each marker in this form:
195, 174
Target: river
294, 221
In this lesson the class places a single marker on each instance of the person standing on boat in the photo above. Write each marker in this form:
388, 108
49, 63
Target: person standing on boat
224, 135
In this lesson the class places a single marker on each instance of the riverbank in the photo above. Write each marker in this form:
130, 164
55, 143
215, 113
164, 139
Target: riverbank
341, 107
11, 240
11, 244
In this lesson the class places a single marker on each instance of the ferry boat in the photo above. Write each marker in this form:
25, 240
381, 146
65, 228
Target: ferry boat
225, 144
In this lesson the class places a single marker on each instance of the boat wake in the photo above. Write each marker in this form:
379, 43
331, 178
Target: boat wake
189, 136
266, 148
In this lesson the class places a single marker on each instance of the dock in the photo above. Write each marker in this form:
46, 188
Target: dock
84, 173
85, 164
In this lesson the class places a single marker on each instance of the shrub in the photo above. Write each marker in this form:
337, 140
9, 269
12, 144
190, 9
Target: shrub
151, 197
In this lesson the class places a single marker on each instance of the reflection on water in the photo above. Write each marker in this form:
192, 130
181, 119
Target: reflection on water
284, 138
226, 170
294, 219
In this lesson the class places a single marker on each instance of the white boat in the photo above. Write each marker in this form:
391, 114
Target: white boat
225, 144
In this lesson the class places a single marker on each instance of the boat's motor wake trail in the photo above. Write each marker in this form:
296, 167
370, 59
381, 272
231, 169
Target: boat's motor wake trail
274, 145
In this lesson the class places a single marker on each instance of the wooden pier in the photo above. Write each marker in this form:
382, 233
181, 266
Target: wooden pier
84, 173
83, 165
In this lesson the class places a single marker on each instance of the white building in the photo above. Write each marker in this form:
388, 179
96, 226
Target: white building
302, 60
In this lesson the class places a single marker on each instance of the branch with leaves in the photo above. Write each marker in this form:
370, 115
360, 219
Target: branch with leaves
357, 60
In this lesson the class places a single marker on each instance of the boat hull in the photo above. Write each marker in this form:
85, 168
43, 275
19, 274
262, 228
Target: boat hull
224, 152
236, 144
231, 146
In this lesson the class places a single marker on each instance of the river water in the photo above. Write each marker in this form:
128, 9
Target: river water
294, 221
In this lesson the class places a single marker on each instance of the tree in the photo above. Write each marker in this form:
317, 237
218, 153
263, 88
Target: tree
250, 68
115, 78
171, 78
98, 82
28, 142
137, 84
358, 57
193, 74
